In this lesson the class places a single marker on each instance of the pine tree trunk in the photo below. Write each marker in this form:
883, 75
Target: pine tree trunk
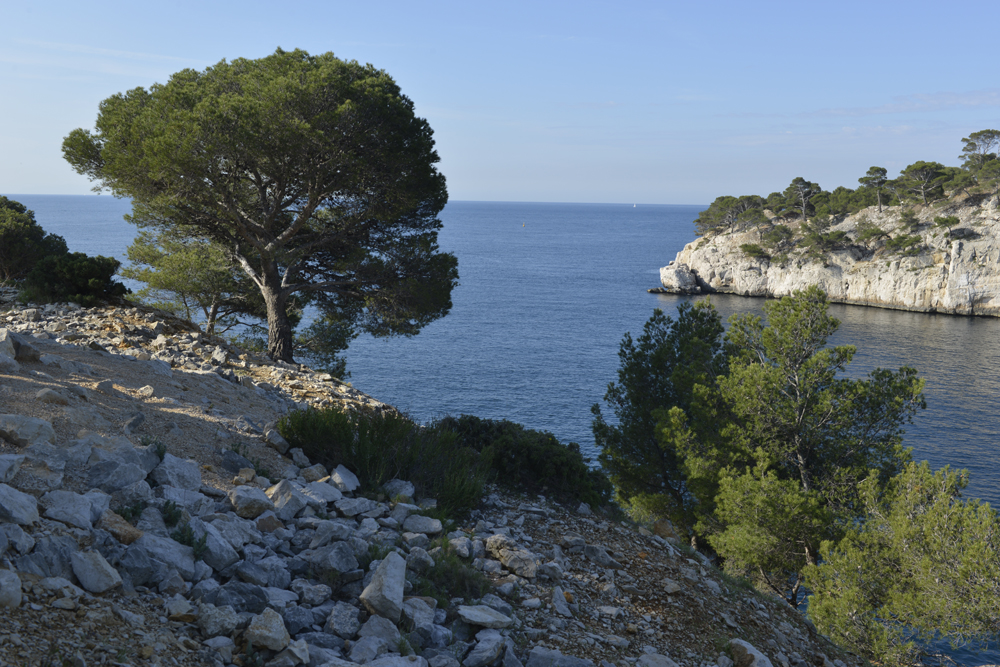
279, 329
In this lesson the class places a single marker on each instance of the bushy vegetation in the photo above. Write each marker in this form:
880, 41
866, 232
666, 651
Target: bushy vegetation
72, 277
797, 478
451, 460
450, 577
23, 242
756, 443
530, 461
379, 447
44, 266
924, 564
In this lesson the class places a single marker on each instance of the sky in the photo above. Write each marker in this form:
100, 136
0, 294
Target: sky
626, 102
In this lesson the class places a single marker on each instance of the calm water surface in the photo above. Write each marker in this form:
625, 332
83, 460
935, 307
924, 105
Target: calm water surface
548, 290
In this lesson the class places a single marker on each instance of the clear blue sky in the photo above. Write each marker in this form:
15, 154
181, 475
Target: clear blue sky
649, 102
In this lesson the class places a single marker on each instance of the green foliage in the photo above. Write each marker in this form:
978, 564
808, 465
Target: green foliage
158, 447
875, 180
778, 238
730, 214
450, 577
185, 535
23, 242
819, 241
184, 276
783, 426
979, 148
867, 232
922, 560
528, 460
379, 447
904, 244
171, 514
923, 179
313, 173
799, 194
844, 201
324, 340
957, 181
908, 220
132, 512
658, 370
989, 176
768, 523
754, 251
946, 222
72, 277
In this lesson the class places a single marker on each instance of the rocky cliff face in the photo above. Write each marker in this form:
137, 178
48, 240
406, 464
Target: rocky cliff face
957, 273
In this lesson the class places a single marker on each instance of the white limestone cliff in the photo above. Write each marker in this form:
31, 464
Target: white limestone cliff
957, 274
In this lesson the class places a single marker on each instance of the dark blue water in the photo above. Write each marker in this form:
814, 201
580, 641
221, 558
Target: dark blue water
548, 290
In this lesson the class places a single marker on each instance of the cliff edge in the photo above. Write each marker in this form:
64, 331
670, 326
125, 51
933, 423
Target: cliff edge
955, 271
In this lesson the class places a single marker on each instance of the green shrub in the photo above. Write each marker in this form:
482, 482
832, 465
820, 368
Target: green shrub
450, 577
531, 461
72, 277
132, 512
378, 447
171, 514
185, 535
904, 244
23, 242
754, 251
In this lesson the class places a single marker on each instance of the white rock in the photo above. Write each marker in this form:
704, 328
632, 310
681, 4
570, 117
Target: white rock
94, 572
250, 502
345, 480
10, 589
17, 507
25, 431
68, 507
177, 472
483, 616
746, 655
268, 629
384, 595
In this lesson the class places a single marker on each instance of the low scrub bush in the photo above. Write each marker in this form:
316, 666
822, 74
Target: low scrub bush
450, 577
378, 447
74, 277
904, 244
754, 251
530, 461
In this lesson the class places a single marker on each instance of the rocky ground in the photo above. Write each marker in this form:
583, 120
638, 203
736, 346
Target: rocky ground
241, 552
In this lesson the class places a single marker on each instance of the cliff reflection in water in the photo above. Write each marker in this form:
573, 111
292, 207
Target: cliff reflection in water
959, 357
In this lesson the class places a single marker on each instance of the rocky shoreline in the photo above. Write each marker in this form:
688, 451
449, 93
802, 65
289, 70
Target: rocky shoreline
108, 411
956, 273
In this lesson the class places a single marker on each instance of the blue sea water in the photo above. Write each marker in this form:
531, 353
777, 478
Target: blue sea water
546, 293
548, 290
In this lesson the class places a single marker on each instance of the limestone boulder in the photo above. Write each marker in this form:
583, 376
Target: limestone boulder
94, 572
268, 629
384, 595
25, 431
177, 472
17, 507
250, 502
